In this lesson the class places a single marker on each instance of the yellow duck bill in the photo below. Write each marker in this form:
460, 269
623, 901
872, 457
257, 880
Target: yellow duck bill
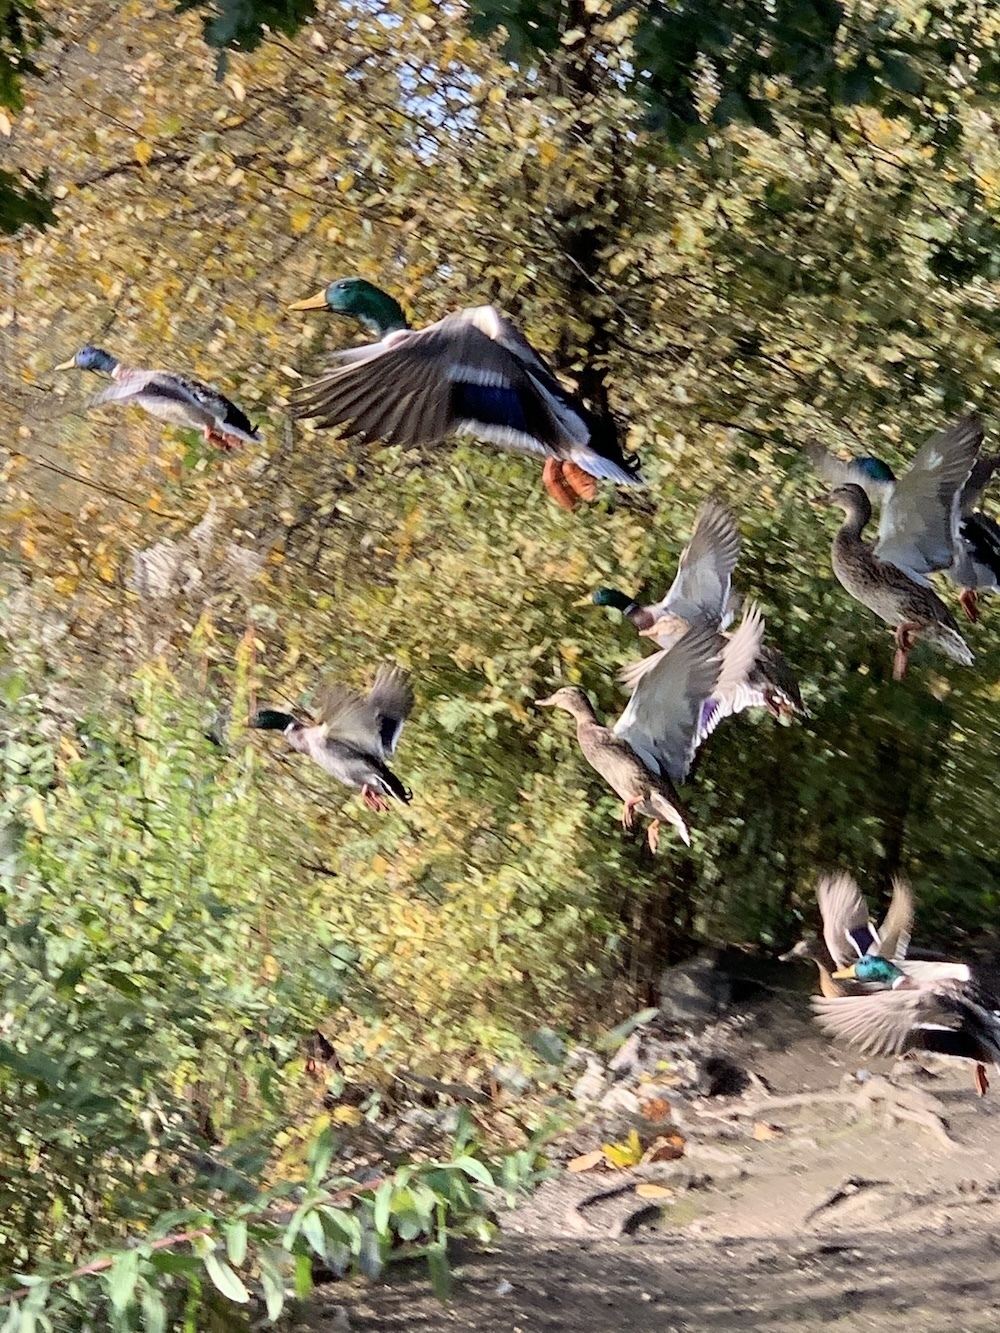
317, 302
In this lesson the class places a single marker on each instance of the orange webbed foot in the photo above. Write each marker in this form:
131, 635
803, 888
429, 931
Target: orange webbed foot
580, 482
981, 1081
556, 484
374, 800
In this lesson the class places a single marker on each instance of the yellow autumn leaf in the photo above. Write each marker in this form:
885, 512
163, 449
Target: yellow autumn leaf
347, 1115
143, 151
621, 1155
300, 218
649, 1190
36, 813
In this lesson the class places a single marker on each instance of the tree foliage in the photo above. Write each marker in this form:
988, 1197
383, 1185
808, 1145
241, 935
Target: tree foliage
829, 275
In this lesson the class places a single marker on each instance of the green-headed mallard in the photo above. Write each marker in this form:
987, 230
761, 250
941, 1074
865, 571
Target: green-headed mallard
357, 734
169, 396
929, 521
702, 590
916, 1006
849, 932
472, 373
952, 1016
649, 751
913, 609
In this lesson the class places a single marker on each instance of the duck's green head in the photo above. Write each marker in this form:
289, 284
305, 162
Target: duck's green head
268, 719
90, 358
354, 296
613, 597
874, 969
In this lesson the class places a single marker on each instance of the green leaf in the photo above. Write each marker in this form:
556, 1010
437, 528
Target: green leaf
303, 1276
274, 1293
383, 1201
312, 1229
320, 1155
610, 1041
154, 1311
122, 1278
474, 1168
224, 1279
236, 1242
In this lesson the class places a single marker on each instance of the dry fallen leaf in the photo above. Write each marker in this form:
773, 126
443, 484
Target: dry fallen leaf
763, 1132
647, 1190
656, 1109
587, 1161
666, 1148
622, 1155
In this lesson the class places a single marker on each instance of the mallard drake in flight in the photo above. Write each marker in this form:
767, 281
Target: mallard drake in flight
943, 1010
171, 397
703, 590
929, 520
917, 1006
472, 373
849, 932
912, 608
649, 750
356, 735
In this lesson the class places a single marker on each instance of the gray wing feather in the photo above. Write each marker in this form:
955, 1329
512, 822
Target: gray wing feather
979, 478
372, 721
400, 390
701, 588
896, 929
918, 530
883, 1023
661, 718
844, 911
838, 471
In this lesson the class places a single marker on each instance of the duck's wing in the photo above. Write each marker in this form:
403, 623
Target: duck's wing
977, 481
227, 415
372, 722
919, 526
981, 535
661, 718
847, 926
897, 927
703, 583
886, 1022
390, 702
132, 384
417, 387
733, 690
874, 477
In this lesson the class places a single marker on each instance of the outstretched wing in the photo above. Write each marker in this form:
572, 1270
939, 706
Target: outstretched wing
371, 722
417, 387
661, 718
896, 929
390, 703
886, 1022
918, 529
847, 926
701, 588
874, 477
733, 690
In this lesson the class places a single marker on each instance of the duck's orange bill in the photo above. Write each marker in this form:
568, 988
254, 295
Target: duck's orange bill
317, 302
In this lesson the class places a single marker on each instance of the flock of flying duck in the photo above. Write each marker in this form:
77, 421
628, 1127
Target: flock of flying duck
474, 374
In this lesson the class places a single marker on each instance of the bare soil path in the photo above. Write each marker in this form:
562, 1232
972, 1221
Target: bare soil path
841, 1216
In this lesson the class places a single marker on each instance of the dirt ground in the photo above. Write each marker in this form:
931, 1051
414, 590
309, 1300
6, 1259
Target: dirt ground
871, 1212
